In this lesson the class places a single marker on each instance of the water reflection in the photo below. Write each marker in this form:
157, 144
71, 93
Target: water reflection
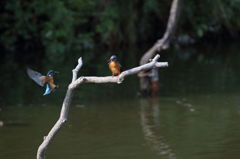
197, 116
184, 102
150, 120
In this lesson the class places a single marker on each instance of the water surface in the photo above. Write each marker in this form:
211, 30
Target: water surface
196, 115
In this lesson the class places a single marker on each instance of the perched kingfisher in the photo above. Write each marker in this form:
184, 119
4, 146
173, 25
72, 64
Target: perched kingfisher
114, 65
44, 81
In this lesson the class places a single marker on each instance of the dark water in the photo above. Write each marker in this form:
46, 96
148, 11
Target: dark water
196, 115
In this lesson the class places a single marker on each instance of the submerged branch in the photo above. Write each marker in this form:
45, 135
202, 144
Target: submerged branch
162, 43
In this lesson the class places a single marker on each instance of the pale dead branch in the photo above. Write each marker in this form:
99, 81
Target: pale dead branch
76, 82
163, 43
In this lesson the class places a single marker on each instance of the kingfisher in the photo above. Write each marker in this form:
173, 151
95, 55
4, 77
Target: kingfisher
114, 65
45, 81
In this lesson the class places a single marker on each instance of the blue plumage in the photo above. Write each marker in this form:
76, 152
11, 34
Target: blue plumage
45, 81
48, 90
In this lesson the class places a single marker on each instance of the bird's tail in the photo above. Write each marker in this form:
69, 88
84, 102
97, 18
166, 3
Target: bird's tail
48, 90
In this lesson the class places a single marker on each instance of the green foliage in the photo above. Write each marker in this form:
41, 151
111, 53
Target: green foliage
204, 16
53, 29
109, 21
57, 32
48, 27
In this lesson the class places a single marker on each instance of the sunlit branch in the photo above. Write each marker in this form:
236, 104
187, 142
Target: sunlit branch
76, 82
120, 78
63, 116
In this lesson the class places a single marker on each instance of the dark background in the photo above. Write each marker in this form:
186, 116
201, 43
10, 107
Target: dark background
45, 35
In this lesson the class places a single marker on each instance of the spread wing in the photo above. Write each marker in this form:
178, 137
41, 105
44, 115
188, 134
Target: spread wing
36, 76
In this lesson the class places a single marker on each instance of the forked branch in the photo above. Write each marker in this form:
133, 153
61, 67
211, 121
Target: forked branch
76, 82
121, 77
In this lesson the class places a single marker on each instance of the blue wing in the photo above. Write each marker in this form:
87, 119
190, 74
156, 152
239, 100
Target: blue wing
48, 90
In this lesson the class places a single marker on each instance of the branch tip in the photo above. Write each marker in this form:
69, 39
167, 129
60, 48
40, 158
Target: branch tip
156, 58
80, 61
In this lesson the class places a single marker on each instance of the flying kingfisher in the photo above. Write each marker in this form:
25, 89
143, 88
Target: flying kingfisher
114, 65
44, 81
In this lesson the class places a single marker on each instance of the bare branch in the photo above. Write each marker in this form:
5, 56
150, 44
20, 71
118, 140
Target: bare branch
76, 82
120, 78
163, 43
63, 116
78, 67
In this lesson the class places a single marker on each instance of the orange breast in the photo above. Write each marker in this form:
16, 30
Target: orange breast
51, 83
114, 67
49, 80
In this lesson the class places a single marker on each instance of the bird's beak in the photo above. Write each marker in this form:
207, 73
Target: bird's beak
56, 72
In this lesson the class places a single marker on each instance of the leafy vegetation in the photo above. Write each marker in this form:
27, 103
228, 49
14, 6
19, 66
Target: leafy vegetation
211, 16
35, 29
